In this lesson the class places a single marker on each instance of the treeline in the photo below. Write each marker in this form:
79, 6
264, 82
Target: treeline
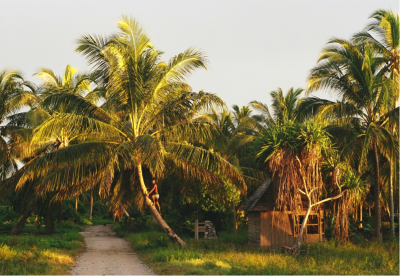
133, 117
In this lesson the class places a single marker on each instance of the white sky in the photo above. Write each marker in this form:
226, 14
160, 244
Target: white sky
253, 46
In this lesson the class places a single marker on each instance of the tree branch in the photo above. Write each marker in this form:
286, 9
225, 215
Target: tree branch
327, 199
301, 191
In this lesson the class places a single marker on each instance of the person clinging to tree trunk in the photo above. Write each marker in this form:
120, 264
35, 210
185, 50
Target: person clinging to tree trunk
155, 196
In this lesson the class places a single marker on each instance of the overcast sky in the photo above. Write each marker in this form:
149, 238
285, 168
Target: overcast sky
253, 46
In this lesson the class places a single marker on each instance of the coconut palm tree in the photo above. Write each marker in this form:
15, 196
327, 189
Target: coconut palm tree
56, 93
237, 129
384, 34
353, 72
15, 94
16, 133
284, 107
144, 127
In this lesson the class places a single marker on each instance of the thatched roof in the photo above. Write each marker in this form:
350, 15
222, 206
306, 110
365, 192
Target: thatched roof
252, 201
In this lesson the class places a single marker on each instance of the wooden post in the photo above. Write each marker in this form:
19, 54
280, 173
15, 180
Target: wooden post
196, 229
76, 204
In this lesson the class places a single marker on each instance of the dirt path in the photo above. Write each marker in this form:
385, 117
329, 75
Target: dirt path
105, 253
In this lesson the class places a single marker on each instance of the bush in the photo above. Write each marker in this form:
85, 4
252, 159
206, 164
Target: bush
141, 222
7, 214
7, 218
100, 210
69, 212
69, 208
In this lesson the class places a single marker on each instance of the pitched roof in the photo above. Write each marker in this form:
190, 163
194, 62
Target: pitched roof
252, 201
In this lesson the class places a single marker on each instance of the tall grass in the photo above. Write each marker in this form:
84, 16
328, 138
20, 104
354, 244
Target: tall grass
228, 255
40, 254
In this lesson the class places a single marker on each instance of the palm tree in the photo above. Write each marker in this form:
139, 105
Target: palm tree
237, 129
56, 93
284, 107
384, 33
353, 71
386, 27
143, 127
15, 94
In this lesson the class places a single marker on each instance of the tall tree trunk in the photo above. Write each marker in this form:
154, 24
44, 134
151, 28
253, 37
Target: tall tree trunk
17, 229
377, 190
91, 205
60, 213
391, 203
76, 204
361, 205
153, 219
355, 216
49, 224
234, 217
174, 237
392, 173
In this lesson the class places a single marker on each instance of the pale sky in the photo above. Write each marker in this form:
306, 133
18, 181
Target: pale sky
253, 46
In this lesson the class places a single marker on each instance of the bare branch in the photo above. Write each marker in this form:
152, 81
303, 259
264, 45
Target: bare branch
301, 191
330, 198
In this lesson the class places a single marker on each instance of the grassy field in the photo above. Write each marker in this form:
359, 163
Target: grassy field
40, 254
229, 256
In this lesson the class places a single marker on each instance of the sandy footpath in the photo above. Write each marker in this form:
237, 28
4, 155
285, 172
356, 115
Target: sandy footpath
106, 254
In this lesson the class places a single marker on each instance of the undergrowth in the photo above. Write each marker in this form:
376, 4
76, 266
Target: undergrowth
32, 253
228, 255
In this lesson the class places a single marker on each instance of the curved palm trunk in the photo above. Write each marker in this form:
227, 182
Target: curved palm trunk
391, 203
174, 237
234, 217
378, 234
392, 173
91, 205
17, 229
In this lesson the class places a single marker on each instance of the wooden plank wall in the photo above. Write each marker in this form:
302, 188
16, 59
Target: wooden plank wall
275, 230
254, 228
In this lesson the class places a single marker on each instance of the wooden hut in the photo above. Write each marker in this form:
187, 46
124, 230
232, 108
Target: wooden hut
270, 229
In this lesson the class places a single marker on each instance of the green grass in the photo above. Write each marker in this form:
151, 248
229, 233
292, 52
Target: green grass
229, 256
40, 254
99, 221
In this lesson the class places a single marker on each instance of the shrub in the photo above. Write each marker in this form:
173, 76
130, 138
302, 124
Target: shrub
7, 214
7, 218
101, 210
